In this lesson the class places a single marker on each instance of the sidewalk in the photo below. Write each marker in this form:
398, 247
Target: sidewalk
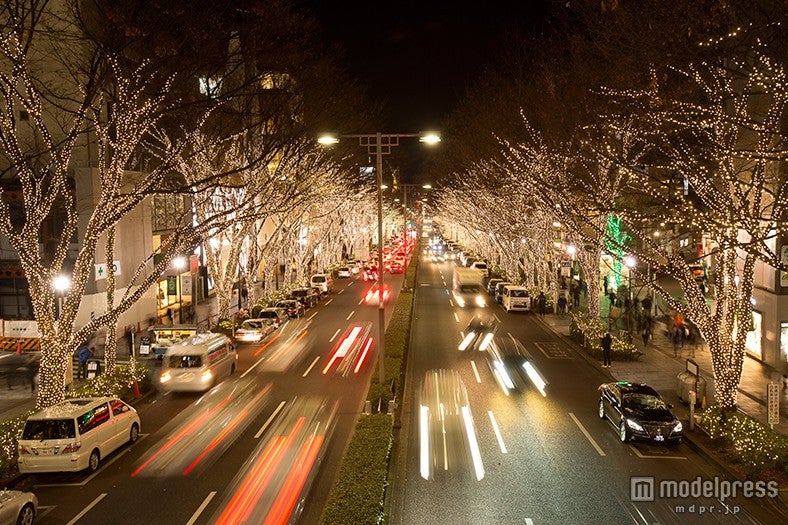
658, 368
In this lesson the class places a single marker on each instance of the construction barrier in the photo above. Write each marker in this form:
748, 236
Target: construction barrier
27, 344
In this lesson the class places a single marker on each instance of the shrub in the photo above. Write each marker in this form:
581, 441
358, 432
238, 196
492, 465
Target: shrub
357, 494
758, 450
589, 332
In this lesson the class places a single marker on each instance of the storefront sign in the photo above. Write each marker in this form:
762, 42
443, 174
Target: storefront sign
101, 270
172, 285
773, 403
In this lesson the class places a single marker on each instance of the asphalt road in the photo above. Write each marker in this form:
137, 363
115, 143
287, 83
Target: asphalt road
545, 459
113, 495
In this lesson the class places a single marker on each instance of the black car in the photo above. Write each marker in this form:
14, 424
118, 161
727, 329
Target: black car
293, 308
638, 412
478, 334
304, 296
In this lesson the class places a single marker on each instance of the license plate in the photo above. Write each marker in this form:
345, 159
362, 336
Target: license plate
659, 438
46, 451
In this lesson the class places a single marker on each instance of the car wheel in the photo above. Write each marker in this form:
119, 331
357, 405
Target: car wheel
93, 461
134, 433
623, 432
26, 515
601, 409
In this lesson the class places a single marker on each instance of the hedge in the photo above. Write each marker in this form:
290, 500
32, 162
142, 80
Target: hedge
588, 332
357, 495
759, 451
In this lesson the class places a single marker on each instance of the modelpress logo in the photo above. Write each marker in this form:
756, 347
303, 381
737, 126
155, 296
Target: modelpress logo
641, 488
644, 488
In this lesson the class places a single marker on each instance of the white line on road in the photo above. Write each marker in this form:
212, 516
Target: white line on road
310, 366
495, 316
588, 436
329, 301
268, 421
497, 431
87, 509
476, 372
350, 315
642, 456
201, 508
339, 292
529, 521
456, 317
88, 479
447, 292
312, 316
334, 336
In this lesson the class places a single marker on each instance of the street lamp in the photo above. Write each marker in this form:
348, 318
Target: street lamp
60, 283
179, 263
380, 144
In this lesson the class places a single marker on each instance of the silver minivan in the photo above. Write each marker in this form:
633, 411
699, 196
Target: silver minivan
323, 281
198, 363
76, 434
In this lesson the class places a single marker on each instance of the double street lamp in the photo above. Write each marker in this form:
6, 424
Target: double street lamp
379, 144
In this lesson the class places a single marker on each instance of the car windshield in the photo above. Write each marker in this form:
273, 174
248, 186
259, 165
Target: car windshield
318, 279
185, 361
469, 288
251, 325
644, 401
49, 429
299, 293
518, 293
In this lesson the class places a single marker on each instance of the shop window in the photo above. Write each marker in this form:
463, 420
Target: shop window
753, 342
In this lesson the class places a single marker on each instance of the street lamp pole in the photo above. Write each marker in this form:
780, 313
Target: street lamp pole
380, 144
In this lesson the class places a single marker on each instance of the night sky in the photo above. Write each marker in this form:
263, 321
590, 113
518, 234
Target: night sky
418, 58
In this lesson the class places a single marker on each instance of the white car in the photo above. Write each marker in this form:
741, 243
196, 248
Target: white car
344, 272
255, 329
76, 434
17, 507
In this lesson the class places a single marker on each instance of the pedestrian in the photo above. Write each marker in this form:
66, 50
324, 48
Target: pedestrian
677, 337
691, 339
607, 346
576, 297
562, 304
542, 302
82, 357
612, 297
605, 284
646, 334
170, 316
646, 306
785, 374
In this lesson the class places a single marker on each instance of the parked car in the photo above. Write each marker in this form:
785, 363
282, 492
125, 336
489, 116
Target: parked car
293, 308
323, 281
304, 296
516, 298
344, 272
277, 315
76, 434
482, 267
498, 295
491, 285
638, 412
316, 293
255, 329
17, 507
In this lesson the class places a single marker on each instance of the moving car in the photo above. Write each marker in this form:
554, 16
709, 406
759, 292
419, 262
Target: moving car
17, 507
255, 329
370, 273
197, 364
478, 334
638, 412
396, 267
373, 295
76, 434
293, 308
344, 272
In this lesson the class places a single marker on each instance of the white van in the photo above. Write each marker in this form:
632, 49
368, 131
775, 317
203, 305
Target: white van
76, 434
482, 267
323, 281
516, 298
197, 364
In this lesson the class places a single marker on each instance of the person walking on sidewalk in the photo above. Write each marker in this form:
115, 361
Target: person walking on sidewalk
646, 334
677, 337
541, 301
82, 357
607, 347
562, 305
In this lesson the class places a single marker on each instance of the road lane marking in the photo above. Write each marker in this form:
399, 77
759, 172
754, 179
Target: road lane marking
334, 336
476, 372
339, 292
329, 301
87, 509
88, 479
447, 292
350, 315
643, 456
312, 316
201, 508
268, 421
310, 366
529, 521
587, 435
456, 317
497, 431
